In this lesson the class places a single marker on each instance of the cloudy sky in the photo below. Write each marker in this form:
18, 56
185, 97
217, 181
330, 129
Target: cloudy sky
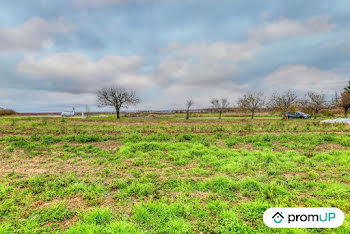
55, 54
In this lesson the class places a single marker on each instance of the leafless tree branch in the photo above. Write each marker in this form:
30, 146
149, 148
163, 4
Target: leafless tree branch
189, 104
252, 102
220, 105
116, 97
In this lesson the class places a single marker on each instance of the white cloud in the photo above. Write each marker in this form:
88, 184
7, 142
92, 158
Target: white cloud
62, 66
212, 63
174, 97
286, 28
303, 78
34, 34
202, 64
135, 80
76, 73
216, 51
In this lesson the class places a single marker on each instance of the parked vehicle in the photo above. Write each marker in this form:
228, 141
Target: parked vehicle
297, 115
68, 113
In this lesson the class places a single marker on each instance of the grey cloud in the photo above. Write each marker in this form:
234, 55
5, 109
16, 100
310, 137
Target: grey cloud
76, 73
287, 29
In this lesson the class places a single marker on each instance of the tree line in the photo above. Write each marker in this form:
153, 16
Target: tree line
312, 102
4, 111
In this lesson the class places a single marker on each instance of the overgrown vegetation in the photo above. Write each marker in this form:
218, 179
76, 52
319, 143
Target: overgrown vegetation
167, 175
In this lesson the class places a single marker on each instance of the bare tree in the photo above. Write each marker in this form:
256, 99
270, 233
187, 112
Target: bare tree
251, 102
189, 103
304, 105
116, 97
220, 105
345, 102
336, 101
345, 99
87, 111
316, 101
283, 102
347, 88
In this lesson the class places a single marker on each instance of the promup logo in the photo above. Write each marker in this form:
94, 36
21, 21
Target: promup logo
278, 217
303, 217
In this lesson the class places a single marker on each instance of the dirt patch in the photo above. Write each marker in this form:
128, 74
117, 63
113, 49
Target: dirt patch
292, 174
201, 195
42, 165
69, 222
72, 203
221, 143
245, 146
111, 146
329, 147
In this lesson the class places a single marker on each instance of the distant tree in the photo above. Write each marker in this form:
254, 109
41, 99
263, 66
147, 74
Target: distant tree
336, 101
189, 104
252, 102
345, 99
316, 102
220, 105
116, 97
7, 111
345, 102
304, 104
283, 102
347, 88
87, 111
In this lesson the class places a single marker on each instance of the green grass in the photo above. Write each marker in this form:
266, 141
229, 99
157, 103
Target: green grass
167, 175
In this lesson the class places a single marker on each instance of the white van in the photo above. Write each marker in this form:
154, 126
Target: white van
68, 113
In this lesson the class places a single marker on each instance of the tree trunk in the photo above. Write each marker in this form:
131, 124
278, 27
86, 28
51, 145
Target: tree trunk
118, 115
253, 114
187, 114
346, 112
220, 114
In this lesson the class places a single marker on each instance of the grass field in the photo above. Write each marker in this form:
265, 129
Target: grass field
168, 175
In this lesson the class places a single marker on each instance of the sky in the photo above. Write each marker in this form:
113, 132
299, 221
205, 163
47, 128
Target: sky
56, 54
